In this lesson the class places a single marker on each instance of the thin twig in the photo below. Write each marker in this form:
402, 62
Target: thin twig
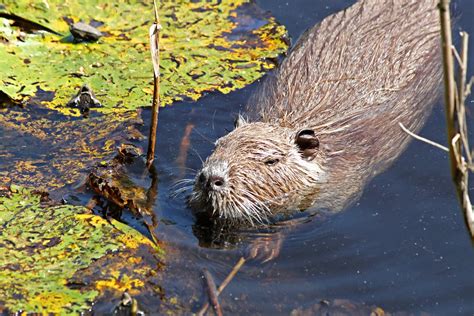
463, 184
456, 153
469, 86
462, 95
155, 56
231, 275
430, 142
455, 96
224, 283
212, 292
456, 54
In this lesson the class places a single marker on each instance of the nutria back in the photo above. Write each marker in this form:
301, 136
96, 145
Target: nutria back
352, 78
328, 119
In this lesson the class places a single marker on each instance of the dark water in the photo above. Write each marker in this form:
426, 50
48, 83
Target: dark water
403, 246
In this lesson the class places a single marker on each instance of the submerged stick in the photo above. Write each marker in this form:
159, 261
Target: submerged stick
155, 57
224, 283
212, 292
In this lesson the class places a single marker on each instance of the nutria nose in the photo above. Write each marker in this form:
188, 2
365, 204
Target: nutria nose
213, 176
216, 181
211, 182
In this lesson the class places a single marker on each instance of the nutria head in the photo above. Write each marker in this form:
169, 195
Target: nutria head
259, 170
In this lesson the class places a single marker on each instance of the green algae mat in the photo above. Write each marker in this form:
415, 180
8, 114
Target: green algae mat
60, 258
205, 46
48, 150
47, 251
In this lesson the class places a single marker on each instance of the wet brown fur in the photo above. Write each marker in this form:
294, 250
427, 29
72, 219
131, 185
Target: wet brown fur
351, 79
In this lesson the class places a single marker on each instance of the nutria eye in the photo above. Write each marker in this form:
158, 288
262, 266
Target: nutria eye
271, 162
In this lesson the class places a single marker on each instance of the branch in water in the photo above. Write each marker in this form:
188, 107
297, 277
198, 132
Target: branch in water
224, 283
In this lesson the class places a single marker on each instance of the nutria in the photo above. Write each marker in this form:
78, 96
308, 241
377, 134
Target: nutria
328, 120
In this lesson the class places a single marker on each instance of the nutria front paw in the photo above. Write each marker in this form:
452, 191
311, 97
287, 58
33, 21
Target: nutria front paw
265, 248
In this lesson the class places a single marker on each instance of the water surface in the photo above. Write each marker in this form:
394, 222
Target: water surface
403, 246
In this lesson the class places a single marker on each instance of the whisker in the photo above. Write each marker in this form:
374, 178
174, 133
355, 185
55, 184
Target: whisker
182, 181
179, 192
213, 118
197, 154
182, 168
203, 137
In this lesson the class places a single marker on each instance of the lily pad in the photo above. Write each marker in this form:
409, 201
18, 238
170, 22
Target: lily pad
205, 46
49, 251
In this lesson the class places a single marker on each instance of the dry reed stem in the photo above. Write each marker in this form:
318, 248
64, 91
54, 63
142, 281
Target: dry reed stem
462, 95
449, 84
455, 95
155, 56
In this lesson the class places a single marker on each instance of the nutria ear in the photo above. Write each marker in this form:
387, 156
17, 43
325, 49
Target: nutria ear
307, 143
239, 121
